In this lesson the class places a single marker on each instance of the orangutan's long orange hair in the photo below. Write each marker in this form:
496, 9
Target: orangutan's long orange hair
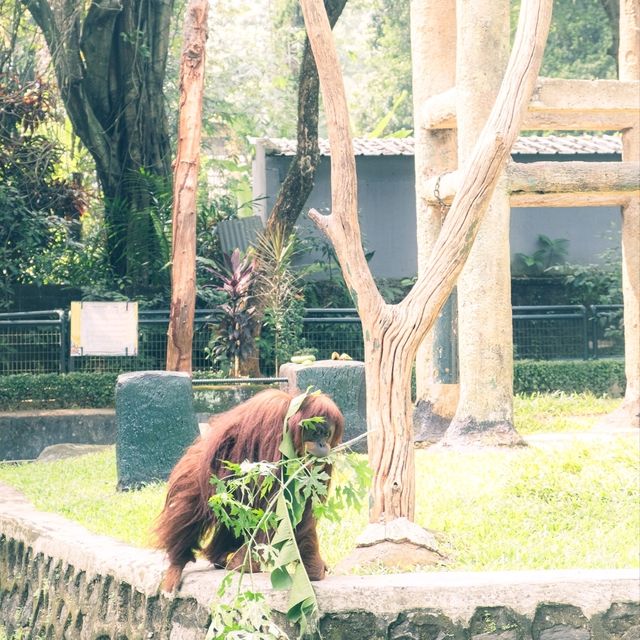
251, 431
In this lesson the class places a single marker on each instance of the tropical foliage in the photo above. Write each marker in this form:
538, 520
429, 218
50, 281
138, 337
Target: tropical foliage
39, 210
233, 337
121, 246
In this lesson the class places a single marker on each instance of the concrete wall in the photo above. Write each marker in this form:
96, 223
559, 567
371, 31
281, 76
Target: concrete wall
59, 581
24, 434
386, 199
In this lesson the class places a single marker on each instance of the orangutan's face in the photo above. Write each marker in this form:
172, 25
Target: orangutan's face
317, 441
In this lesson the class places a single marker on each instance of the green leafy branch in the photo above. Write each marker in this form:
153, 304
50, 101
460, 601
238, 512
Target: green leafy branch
284, 488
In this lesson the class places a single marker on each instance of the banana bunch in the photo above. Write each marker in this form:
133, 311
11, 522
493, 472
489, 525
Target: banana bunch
306, 358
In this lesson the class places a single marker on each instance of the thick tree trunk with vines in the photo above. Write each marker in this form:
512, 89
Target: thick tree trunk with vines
392, 332
185, 186
110, 65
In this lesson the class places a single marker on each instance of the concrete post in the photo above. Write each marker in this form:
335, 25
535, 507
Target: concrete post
343, 381
433, 47
155, 422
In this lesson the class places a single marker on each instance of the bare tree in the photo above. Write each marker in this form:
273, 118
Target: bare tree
392, 333
185, 186
300, 178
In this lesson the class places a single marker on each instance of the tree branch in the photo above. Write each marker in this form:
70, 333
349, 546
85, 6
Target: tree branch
484, 168
341, 226
299, 180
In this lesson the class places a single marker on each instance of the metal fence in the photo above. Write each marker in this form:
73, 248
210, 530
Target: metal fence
38, 342
550, 332
329, 330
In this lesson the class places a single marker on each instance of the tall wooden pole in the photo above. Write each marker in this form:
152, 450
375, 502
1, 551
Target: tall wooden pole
629, 65
185, 185
485, 337
433, 47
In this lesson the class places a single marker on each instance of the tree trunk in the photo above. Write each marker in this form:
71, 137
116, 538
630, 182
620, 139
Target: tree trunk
300, 178
110, 65
433, 37
299, 181
185, 187
629, 65
393, 332
485, 335
389, 357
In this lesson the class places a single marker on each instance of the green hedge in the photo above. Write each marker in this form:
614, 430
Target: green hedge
96, 390
25, 391
601, 377
80, 390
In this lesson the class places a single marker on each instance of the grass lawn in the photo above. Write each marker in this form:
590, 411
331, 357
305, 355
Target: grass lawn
565, 506
556, 412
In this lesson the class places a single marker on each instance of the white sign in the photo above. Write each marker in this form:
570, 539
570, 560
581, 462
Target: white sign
104, 328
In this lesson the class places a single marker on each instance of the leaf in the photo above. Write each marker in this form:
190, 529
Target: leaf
286, 447
302, 598
284, 531
287, 554
280, 579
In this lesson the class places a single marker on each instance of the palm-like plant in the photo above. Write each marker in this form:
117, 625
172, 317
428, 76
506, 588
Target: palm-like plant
280, 292
233, 338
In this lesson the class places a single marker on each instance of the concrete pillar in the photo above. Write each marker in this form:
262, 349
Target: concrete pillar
433, 42
343, 381
629, 64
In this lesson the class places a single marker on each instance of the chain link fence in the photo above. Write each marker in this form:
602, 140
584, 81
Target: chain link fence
333, 330
38, 342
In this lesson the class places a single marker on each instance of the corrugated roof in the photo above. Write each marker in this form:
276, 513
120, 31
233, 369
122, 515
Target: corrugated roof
537, 145
238, 233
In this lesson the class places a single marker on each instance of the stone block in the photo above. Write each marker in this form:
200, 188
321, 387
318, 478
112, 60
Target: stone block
343, 381
155, 423
622, 621
560, 622
69, 450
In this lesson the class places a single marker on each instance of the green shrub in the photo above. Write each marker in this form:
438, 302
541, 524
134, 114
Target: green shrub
87, 390
600, 377
57, 391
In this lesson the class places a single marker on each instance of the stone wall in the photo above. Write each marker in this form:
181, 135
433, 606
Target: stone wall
59, 581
